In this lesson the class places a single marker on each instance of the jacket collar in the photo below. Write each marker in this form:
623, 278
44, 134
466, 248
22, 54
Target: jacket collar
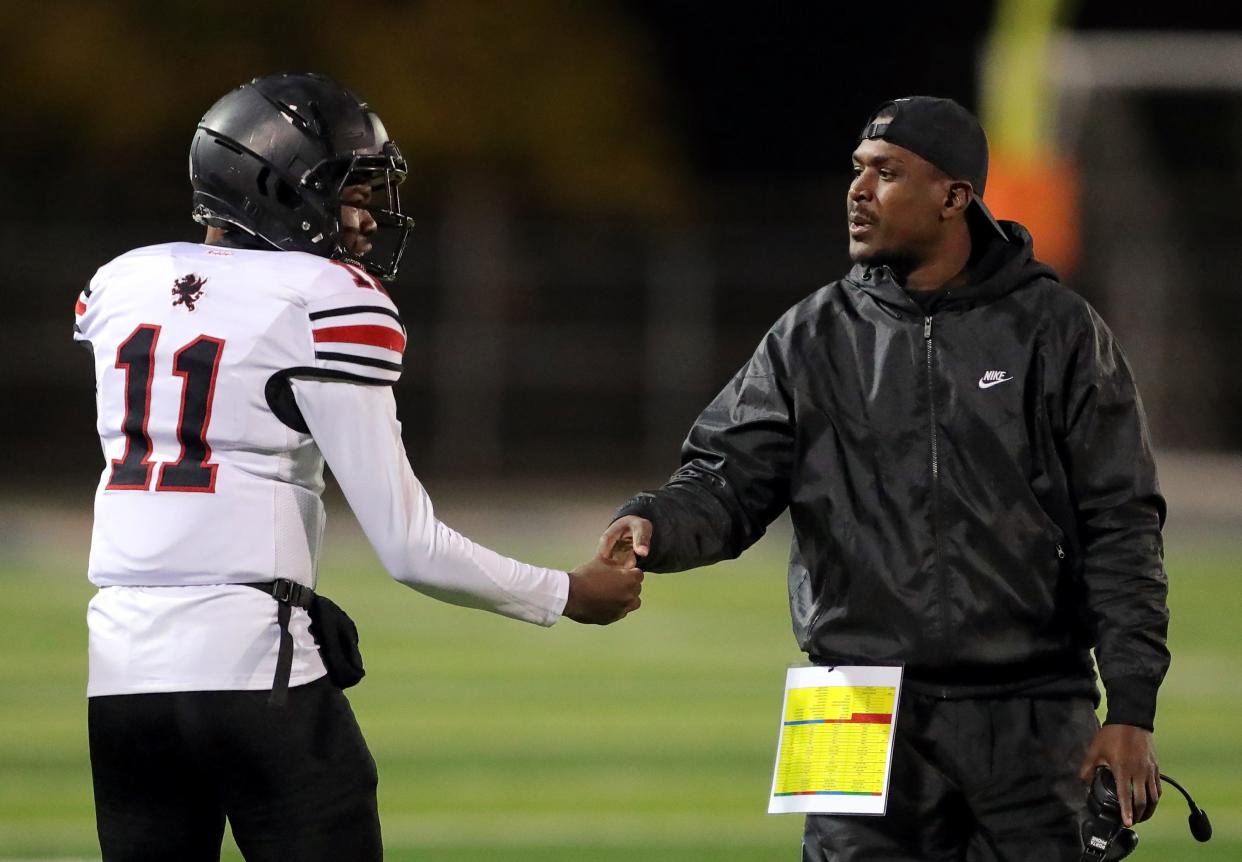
1003, 267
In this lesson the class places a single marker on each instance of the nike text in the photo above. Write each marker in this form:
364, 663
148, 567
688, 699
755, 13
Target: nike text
991, 378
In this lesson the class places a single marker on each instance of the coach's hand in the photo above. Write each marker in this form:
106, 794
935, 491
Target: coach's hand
602, 592
1128, 753
625, 540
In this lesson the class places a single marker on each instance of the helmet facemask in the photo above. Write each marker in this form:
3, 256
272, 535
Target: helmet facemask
326, 184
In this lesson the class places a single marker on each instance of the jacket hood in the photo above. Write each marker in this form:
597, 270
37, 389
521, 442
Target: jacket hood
1003, 267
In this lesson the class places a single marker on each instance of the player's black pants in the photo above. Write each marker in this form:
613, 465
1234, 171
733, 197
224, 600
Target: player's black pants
297, 783
991, 779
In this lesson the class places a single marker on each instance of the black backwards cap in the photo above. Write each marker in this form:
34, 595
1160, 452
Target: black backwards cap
942, 132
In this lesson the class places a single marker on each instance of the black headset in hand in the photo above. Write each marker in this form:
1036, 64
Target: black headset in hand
1104, 837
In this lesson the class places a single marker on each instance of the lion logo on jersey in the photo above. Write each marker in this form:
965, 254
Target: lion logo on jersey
187, 290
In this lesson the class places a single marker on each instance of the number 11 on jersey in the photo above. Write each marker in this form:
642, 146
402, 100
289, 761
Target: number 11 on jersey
197, 364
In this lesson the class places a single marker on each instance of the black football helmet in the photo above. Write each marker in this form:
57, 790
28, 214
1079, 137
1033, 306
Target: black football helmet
271, 159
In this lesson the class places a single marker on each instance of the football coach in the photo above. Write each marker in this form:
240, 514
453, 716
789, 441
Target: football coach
961, 448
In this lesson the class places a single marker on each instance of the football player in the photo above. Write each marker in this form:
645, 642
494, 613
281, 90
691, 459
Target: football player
227, 373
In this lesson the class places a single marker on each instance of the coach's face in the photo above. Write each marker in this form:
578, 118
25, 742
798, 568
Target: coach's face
894, 205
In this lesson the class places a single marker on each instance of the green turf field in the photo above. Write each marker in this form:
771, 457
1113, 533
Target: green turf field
499, 741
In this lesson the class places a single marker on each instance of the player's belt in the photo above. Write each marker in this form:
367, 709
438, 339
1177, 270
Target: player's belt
287, 594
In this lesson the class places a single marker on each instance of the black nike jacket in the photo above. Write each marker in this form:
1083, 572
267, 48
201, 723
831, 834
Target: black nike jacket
972, 487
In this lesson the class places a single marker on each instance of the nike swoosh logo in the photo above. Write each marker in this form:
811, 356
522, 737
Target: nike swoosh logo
988, 384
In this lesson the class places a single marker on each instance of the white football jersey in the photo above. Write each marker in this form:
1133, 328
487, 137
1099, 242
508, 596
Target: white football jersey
221, 374
192, 346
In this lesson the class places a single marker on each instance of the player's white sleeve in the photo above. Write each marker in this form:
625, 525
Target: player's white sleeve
357, 431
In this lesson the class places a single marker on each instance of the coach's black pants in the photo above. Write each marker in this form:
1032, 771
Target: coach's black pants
297, 783
991, 779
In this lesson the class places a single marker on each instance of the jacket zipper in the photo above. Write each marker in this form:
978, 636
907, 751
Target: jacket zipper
931, 399
935, 472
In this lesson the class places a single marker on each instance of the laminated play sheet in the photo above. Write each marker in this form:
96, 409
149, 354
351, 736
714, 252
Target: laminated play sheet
836, 742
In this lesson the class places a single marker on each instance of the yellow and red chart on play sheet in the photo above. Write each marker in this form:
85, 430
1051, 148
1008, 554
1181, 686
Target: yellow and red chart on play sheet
836, 740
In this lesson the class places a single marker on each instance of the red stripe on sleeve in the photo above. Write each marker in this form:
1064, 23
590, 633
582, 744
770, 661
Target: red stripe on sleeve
374, 336
80, 308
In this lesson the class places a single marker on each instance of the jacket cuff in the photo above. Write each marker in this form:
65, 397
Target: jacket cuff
1132, 700
640, 506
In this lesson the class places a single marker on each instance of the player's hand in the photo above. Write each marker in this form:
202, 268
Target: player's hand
625, 540
1128, 753
602, 592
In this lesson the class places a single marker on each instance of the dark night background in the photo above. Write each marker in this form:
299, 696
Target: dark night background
568, 161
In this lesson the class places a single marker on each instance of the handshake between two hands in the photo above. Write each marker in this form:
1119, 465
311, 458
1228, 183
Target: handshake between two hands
607, 587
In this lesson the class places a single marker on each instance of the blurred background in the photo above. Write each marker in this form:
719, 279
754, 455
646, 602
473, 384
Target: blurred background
614, 200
